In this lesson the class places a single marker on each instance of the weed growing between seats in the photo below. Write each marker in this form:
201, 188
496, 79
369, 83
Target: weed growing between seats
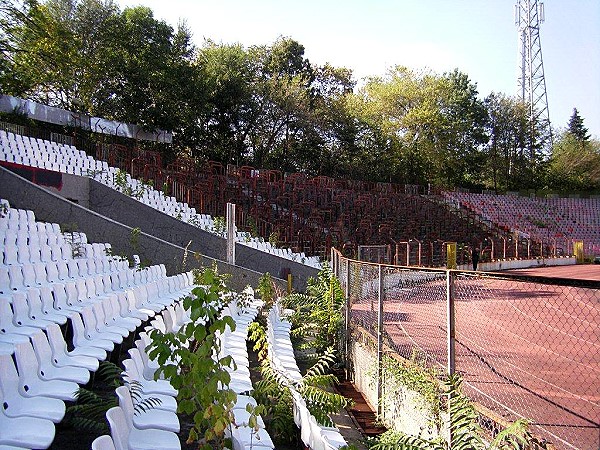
89, 411
317, 318
186, 358
314, 332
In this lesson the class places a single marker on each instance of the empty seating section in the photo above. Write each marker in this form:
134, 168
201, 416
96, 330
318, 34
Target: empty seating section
47, 155
542, 219
67, 159
282, 359
104, 301
51, 283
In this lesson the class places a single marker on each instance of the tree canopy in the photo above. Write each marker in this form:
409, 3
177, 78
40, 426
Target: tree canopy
270, 107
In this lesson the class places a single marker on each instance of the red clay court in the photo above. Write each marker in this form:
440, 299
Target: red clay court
579, 272
525, 348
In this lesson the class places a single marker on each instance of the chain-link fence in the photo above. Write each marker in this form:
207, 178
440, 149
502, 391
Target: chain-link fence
526, 347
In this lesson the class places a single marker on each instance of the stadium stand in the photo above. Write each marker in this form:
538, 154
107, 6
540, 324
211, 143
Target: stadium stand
104, 302
22, 150
552, 220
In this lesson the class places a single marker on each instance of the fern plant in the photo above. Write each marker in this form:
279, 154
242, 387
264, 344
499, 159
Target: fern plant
318, 314
89, 411
465, 431
273, 393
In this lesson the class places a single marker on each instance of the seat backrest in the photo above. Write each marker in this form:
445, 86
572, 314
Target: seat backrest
126, 403
119, 431
47, 300
20, 308
34, 300
16, 277
103, 442
41, 348
56, 340
27, 364
137, 367
9, 378
4, 280
6, 315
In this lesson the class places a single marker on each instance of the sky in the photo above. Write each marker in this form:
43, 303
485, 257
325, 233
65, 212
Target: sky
479, 37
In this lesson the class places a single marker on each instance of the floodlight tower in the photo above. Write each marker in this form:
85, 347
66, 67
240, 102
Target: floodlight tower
529, 14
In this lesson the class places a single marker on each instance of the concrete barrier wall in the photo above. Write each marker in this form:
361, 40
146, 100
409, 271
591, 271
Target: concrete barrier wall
50, 207
495, 266
131, 212
402, 408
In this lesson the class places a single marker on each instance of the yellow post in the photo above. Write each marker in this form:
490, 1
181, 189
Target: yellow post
451, 255
289, 283
578, 251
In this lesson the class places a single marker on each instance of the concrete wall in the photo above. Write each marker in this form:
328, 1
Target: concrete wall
50, 207
74, 188
126, 210
520, 264
402, 409
277, 266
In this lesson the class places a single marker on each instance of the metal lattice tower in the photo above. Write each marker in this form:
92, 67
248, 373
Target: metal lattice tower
531, 83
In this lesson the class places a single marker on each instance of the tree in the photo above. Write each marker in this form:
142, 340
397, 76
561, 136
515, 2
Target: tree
89, 56
574, 165
576, 127
433, 125
509, 163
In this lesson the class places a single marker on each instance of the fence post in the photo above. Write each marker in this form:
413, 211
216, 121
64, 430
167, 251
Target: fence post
450, 276
230, 217
380, 341
347, 318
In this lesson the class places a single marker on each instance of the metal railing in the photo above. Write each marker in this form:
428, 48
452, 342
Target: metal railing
526, 347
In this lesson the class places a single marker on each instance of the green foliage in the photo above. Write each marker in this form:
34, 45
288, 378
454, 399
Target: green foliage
273, 392
574, 164
268, 105
274, 239
219, 225
125, 187
89, 410
258, 335
515, 151
576, 127
317, 316
416, 377
465, 431
186, 359
267, 290
253, 227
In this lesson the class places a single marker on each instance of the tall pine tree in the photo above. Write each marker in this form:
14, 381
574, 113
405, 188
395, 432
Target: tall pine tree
576, 127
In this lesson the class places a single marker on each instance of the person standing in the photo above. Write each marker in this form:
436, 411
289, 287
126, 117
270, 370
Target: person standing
475, 257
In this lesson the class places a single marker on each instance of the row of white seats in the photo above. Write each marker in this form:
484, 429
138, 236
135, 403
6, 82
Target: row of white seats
35, 253
243, 310
282, 359
9, 236
19, 277
280, 350
257, 243
88, 304
12, 140
40, 367
73, 167
15, 215
34, 391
